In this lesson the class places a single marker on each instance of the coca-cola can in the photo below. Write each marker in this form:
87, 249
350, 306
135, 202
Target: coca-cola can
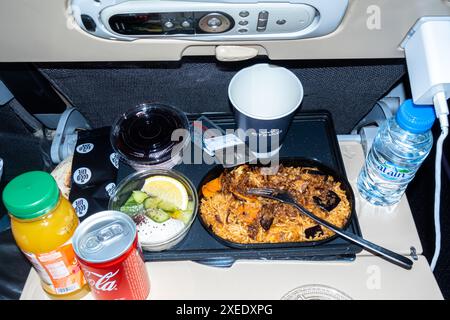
107, 248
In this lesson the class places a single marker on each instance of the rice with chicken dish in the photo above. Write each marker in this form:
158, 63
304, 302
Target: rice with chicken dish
235, 216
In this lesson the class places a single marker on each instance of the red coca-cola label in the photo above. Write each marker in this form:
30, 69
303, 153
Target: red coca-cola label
124, 278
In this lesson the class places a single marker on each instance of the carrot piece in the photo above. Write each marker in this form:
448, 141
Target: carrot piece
212, 187
248, 212
206, 192
240, 209
252, 210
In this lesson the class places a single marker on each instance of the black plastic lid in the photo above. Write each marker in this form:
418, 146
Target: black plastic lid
143, 135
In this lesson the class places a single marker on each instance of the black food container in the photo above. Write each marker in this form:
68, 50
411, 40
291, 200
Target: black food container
287, 162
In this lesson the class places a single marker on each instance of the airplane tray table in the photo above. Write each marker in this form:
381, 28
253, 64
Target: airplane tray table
312, 136
367, 277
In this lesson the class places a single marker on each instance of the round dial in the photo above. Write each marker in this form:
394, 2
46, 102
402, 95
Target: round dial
214, 23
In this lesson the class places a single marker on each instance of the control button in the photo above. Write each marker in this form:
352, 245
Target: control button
186, 24
243, 22
244, 14
214, 22
263, 15
262, 23
242, 30
168, 24
88, 22
281, 22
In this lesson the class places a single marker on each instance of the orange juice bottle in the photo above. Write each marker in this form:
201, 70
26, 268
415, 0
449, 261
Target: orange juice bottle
43, 223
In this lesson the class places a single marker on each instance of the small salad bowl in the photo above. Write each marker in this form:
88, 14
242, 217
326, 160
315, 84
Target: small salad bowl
162, 203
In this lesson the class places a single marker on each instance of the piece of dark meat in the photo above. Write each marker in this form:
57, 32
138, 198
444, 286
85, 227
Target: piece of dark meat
253, 230
328, 202
243, 184
267, 216
226, 181
313, 232
228, 216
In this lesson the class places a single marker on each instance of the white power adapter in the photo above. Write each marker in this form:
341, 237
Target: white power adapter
427, 50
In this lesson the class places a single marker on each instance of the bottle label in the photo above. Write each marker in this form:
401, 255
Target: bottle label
391, 172
59, 270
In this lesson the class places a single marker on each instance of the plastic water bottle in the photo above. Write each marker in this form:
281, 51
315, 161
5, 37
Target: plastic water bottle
401, 145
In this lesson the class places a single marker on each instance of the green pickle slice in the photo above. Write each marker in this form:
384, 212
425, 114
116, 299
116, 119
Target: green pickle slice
167, 206
156, 209
157, 215
185, 215
139, 196
151, 203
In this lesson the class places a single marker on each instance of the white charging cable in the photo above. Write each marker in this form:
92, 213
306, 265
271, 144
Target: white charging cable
441, 106
427, 47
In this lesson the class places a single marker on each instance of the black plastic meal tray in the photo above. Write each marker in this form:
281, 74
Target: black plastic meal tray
311, 136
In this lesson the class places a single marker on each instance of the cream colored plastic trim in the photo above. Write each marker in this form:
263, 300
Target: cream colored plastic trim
235, 53
35, 31
366, 278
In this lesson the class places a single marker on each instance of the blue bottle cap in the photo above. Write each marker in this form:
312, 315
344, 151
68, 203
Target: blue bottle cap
415, 118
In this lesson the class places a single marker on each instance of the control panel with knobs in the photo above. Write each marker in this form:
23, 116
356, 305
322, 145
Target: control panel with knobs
209, 20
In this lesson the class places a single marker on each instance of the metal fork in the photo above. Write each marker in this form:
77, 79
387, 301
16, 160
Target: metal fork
285, 197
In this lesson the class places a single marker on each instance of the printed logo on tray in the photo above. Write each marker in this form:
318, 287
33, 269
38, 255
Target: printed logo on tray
82, 175
110, 188
114, 157
81, 206
85, 148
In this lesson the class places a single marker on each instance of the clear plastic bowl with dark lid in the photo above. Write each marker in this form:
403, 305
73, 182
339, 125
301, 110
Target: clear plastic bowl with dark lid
143, 136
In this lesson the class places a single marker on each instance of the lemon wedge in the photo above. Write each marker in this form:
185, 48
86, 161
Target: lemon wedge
168, 190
